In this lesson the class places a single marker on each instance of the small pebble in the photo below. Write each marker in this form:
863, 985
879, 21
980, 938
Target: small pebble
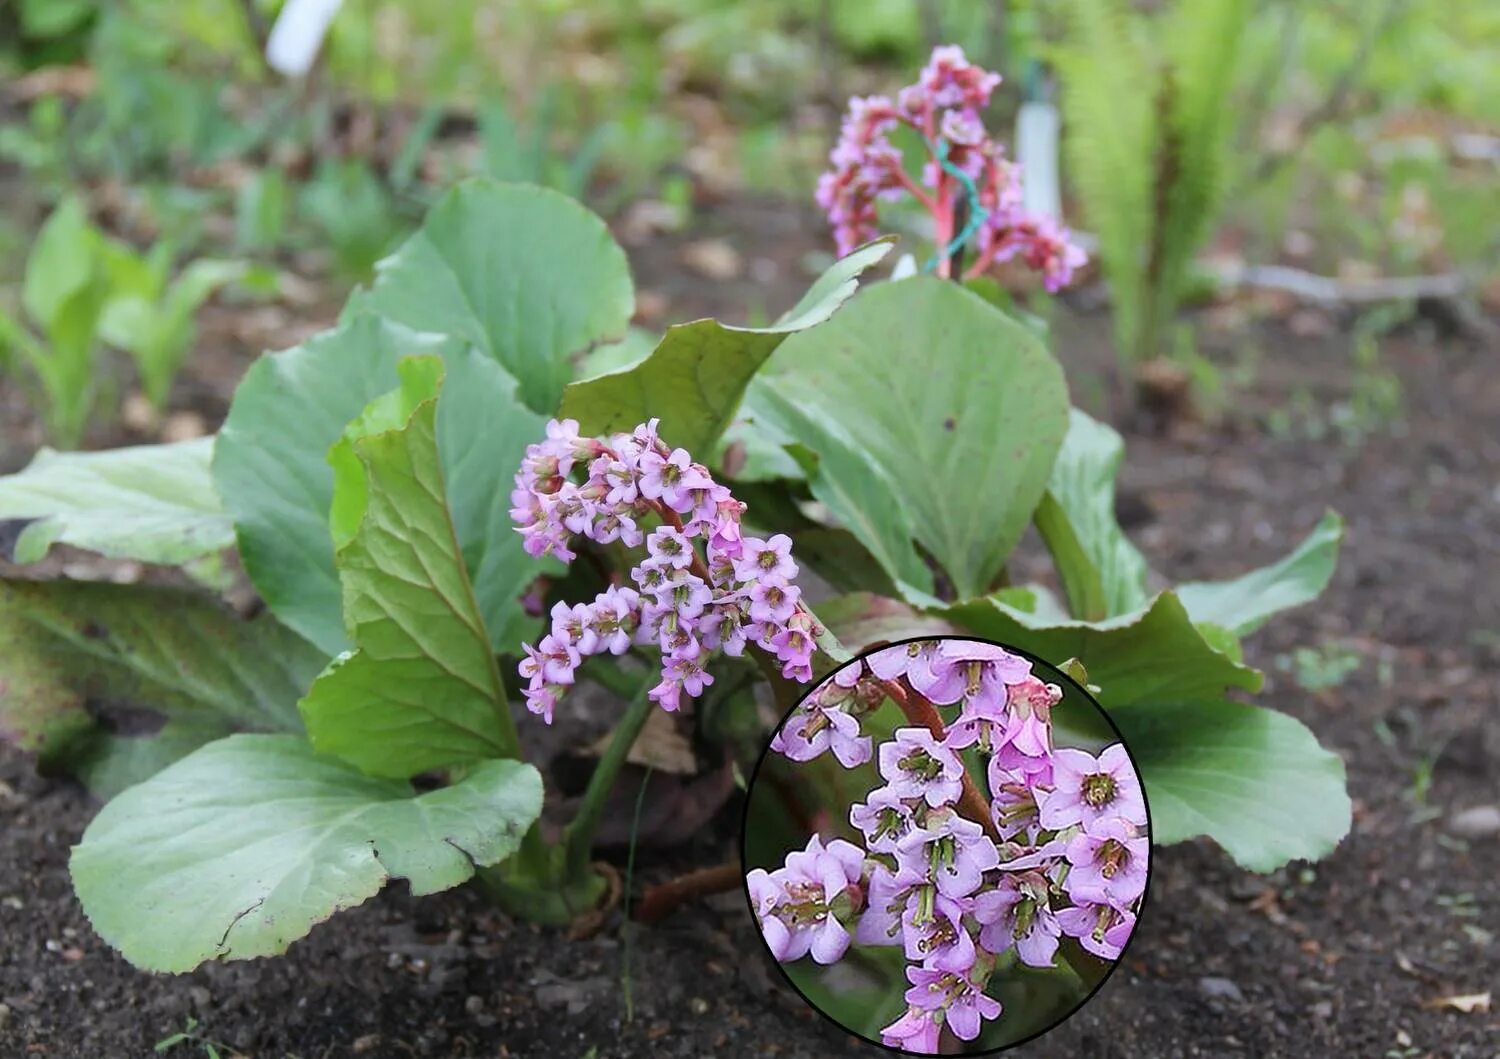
1480, 821
10, 800
1220, 989
474, 1004
4, 1014
13, 903
368, 1043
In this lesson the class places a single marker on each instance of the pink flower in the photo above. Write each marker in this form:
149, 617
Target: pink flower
1109, 862
1013, 801
892, 663
1030, 704
915, 1031
1102, 929
935, 935
917, 766
957, 668
766, 559
795, 903
884, 817
811, 731
1017, 913
1088, 789
950, 850
963, 1004
666, 478
772, 602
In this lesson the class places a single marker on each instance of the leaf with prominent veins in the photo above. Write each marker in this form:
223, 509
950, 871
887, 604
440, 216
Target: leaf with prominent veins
695, 378
959, 407
160, 653
151, 503
421, 689
245, 845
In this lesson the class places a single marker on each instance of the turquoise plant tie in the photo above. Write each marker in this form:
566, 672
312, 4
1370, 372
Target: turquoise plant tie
977, 213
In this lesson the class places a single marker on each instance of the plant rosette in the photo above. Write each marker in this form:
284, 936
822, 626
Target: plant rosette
1041, 864
895, 438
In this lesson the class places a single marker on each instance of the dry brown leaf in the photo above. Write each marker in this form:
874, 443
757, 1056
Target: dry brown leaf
662, 745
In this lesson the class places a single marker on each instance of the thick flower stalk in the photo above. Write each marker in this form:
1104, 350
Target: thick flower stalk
1061, 851
967, 184
701, 587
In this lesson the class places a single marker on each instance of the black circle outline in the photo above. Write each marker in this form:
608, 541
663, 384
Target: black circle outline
1034, 659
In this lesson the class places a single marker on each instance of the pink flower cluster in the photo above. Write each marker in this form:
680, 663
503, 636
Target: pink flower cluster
943, 108
738, 591
1071, 858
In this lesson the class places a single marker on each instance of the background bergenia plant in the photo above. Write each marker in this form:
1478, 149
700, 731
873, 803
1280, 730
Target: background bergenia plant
971, 885
969, 189
902, 437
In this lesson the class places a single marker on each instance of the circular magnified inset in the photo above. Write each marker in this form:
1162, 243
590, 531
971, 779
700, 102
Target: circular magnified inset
946, 846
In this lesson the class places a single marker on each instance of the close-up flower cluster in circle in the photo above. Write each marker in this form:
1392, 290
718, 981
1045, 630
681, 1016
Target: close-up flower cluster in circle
970, 880
688, 602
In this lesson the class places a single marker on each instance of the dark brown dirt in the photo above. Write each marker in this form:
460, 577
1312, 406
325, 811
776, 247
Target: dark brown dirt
1348, 957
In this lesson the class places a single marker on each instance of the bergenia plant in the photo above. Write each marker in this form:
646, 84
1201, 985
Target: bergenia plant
364, 723
972, 882
969, 189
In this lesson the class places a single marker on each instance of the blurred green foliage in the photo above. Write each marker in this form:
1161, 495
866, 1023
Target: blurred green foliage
1357, 136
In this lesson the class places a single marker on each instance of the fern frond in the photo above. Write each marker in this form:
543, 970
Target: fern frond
1110, 84
1205, 41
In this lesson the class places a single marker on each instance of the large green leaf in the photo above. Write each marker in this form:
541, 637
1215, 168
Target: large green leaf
173, 654
245, 845
422, 689
151, 503
1243, 604
695, 378
525, 274
1152, 655
852, 486
271, 467
1101, 571
1254, 780
959, 407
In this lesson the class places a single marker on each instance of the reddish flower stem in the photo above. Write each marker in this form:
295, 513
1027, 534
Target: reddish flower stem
673, 519
971, 803
917, 191
660, 901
